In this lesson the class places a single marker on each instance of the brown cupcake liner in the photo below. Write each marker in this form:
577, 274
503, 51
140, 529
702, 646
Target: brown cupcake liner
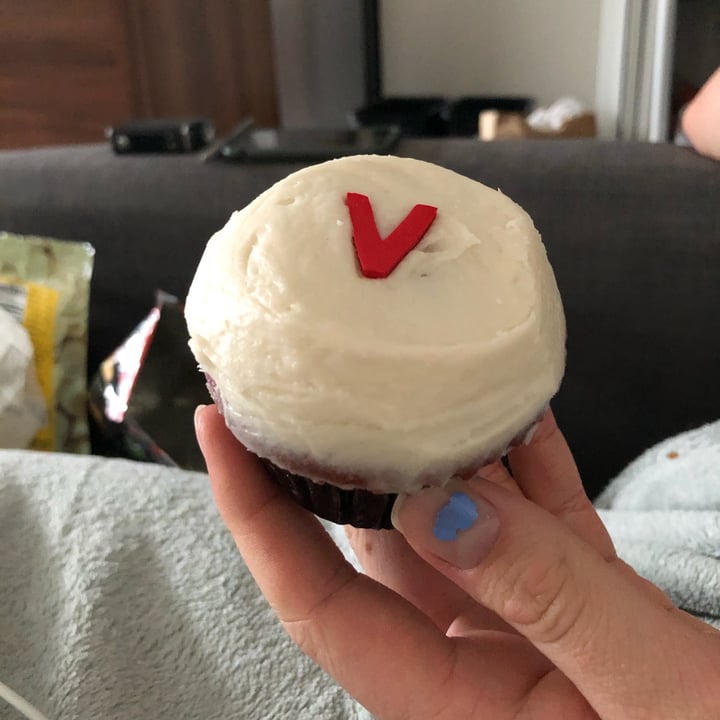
359, 508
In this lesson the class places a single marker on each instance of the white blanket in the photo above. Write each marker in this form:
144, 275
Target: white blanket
663, 512
122, 595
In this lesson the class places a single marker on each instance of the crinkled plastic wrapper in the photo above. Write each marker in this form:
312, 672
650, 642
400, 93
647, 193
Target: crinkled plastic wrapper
45, 285
143, 397
23, 410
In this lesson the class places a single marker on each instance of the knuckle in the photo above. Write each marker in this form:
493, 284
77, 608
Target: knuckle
305, 626
544, 601
303, 635
575, 503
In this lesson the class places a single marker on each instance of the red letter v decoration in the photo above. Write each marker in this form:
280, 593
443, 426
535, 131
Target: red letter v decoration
378, 257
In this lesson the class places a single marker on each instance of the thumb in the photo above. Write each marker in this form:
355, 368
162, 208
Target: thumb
597, 625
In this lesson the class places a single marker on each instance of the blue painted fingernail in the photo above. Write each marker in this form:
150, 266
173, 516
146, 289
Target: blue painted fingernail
459, 514
458, 526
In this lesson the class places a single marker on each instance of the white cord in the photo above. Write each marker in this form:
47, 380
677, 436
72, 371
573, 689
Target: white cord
20, 704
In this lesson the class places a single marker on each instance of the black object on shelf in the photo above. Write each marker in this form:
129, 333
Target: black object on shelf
462, 114
311, 144
415, 116
163, 135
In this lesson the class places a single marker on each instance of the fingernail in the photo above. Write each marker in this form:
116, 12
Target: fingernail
195, 416
452, 523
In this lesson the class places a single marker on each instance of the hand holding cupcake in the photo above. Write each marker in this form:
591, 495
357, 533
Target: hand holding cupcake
500, 596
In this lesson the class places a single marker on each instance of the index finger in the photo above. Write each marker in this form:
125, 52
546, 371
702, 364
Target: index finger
546, 472
338, 617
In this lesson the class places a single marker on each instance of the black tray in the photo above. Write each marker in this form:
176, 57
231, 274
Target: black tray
263, 144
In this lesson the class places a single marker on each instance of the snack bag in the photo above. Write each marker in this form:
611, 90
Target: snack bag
22, 405
45, 285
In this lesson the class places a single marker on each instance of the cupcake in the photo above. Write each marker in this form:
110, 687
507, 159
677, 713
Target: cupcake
374, 324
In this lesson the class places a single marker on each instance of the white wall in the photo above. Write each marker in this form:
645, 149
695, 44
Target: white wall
541, 48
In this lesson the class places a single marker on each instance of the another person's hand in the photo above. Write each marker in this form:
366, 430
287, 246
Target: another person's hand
701, 118
525, 612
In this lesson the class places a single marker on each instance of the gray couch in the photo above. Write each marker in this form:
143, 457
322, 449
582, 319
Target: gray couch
632, 230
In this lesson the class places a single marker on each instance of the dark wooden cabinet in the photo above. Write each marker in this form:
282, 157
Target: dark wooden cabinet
69, 69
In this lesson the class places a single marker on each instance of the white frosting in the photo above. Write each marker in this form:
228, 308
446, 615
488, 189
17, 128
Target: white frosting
399, 380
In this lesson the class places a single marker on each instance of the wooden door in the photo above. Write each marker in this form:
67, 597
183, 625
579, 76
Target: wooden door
70, 69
